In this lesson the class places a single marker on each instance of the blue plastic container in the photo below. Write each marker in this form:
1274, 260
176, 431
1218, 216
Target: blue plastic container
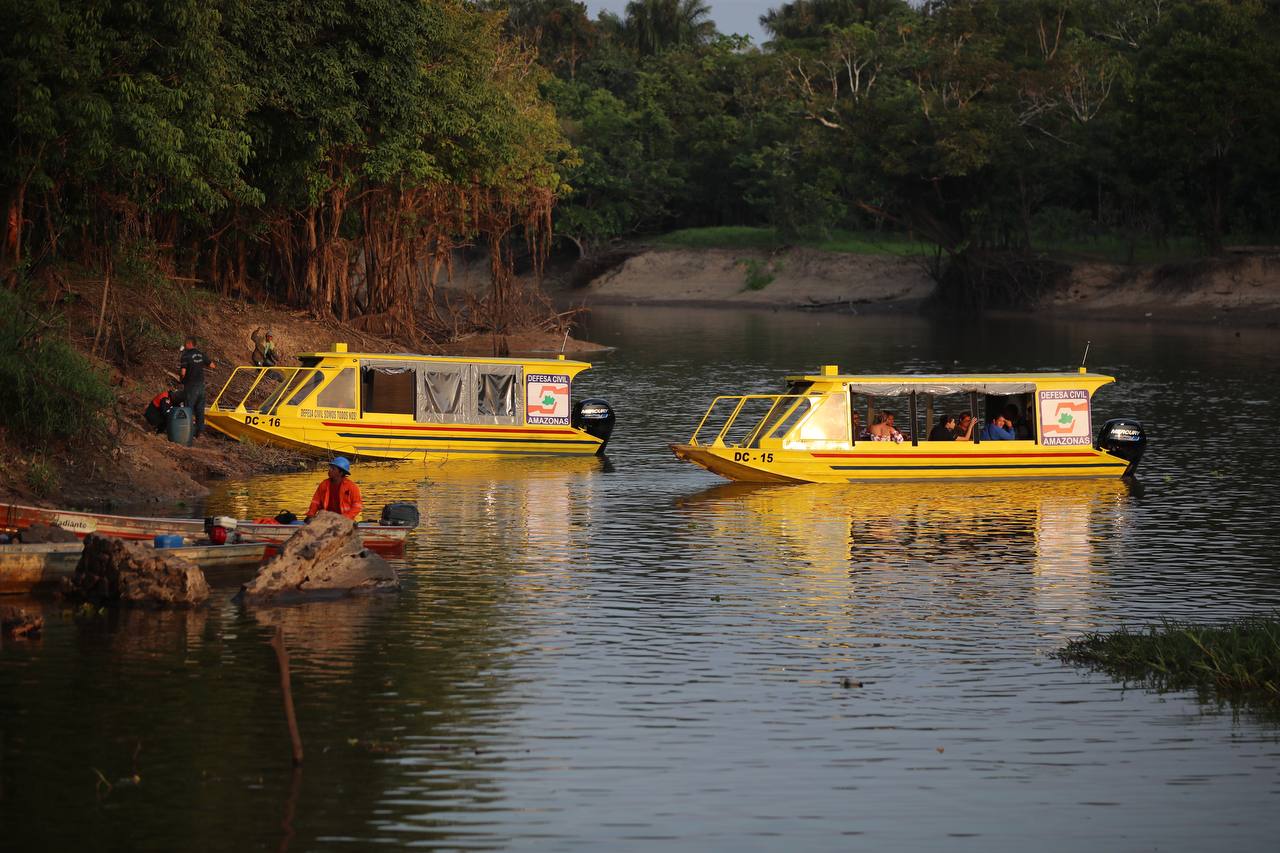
180, 424
168, 540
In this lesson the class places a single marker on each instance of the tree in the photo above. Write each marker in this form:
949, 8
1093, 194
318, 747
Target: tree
1203, 109
652, 26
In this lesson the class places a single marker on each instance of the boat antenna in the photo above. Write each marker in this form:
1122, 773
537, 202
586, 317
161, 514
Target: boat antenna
1086, 354
564, 343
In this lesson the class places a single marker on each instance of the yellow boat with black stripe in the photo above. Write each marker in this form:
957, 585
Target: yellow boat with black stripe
414, 407
813, 433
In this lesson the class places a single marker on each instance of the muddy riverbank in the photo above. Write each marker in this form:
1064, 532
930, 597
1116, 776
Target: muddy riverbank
1242, 287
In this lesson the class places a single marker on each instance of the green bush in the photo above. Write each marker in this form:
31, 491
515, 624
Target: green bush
47, 389
42, 477
758, 275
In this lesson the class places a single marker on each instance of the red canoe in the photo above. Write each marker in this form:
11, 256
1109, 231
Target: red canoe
384, 539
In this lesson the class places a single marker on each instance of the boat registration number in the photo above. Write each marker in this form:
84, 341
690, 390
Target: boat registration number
258, 420
746, 456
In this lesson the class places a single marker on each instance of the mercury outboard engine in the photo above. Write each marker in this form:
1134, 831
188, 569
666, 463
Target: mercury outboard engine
1123, 437
595, 418
400, 514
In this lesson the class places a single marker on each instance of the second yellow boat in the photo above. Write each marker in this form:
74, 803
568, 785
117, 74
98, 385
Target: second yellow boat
814, 432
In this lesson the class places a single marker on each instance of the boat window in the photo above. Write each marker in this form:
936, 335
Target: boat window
793, 417
826, 428
495, 388
1018, 408
312, 382
236, 389
272, 388
778, 410
442, 392
389, 390
340, 393
752, 420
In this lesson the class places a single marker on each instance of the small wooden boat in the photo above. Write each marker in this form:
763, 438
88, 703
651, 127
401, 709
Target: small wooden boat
385, 539
414, 407
812, 433
31, 568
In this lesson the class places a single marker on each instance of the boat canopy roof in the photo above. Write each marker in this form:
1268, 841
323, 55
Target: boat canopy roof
551, 364
1000, 384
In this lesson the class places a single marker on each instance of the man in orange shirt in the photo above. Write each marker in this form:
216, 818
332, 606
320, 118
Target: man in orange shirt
338, 493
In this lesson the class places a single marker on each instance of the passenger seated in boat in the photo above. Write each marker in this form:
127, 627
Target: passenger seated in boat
1016, 422
882, 429
998, 429
964, 428
945, 430
1025, 426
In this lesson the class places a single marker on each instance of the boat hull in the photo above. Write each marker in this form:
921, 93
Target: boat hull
896, 462
403, 442
383, 539
36, 568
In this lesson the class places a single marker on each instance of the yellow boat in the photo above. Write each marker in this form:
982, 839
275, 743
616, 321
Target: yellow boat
414, 407
812, 434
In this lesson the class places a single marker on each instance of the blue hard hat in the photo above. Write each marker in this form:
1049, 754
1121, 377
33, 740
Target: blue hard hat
341, 463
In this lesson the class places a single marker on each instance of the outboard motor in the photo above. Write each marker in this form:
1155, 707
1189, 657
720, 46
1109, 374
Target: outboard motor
1123, 437
399, 514
595, 418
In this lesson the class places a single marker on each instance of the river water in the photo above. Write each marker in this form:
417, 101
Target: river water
630, 654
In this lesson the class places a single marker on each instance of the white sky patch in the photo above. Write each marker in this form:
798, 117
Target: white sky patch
731, 16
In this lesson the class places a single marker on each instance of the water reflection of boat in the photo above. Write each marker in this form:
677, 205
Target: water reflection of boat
414, 407
813, 432
539, 501
1047, 524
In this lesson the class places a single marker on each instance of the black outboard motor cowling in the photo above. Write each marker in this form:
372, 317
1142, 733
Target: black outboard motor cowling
596, 418
400, 514
1123, 437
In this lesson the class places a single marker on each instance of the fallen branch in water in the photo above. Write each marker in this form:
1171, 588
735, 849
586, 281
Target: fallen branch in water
282, 658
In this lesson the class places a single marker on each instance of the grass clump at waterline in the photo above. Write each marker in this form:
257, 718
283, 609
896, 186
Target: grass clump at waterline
768, 239
1237, 662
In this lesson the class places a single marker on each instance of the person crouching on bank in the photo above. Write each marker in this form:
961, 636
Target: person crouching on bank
338, 493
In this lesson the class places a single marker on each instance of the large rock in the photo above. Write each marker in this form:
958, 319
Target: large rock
131, 573
40, 534
324, 558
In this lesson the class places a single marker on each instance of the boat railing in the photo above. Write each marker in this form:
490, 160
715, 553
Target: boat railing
750, 418
259, 389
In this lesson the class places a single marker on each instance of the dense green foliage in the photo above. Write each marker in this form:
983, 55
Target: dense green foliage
336, 152
1239, 661
329, 152
47, 389
974, 125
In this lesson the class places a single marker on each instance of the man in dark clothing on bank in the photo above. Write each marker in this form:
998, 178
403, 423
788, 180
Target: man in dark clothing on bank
191, 368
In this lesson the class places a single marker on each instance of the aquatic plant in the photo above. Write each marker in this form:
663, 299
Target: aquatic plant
1237, 662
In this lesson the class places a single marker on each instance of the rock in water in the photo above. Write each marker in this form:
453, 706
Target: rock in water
39, 534
131, 573
324, 558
